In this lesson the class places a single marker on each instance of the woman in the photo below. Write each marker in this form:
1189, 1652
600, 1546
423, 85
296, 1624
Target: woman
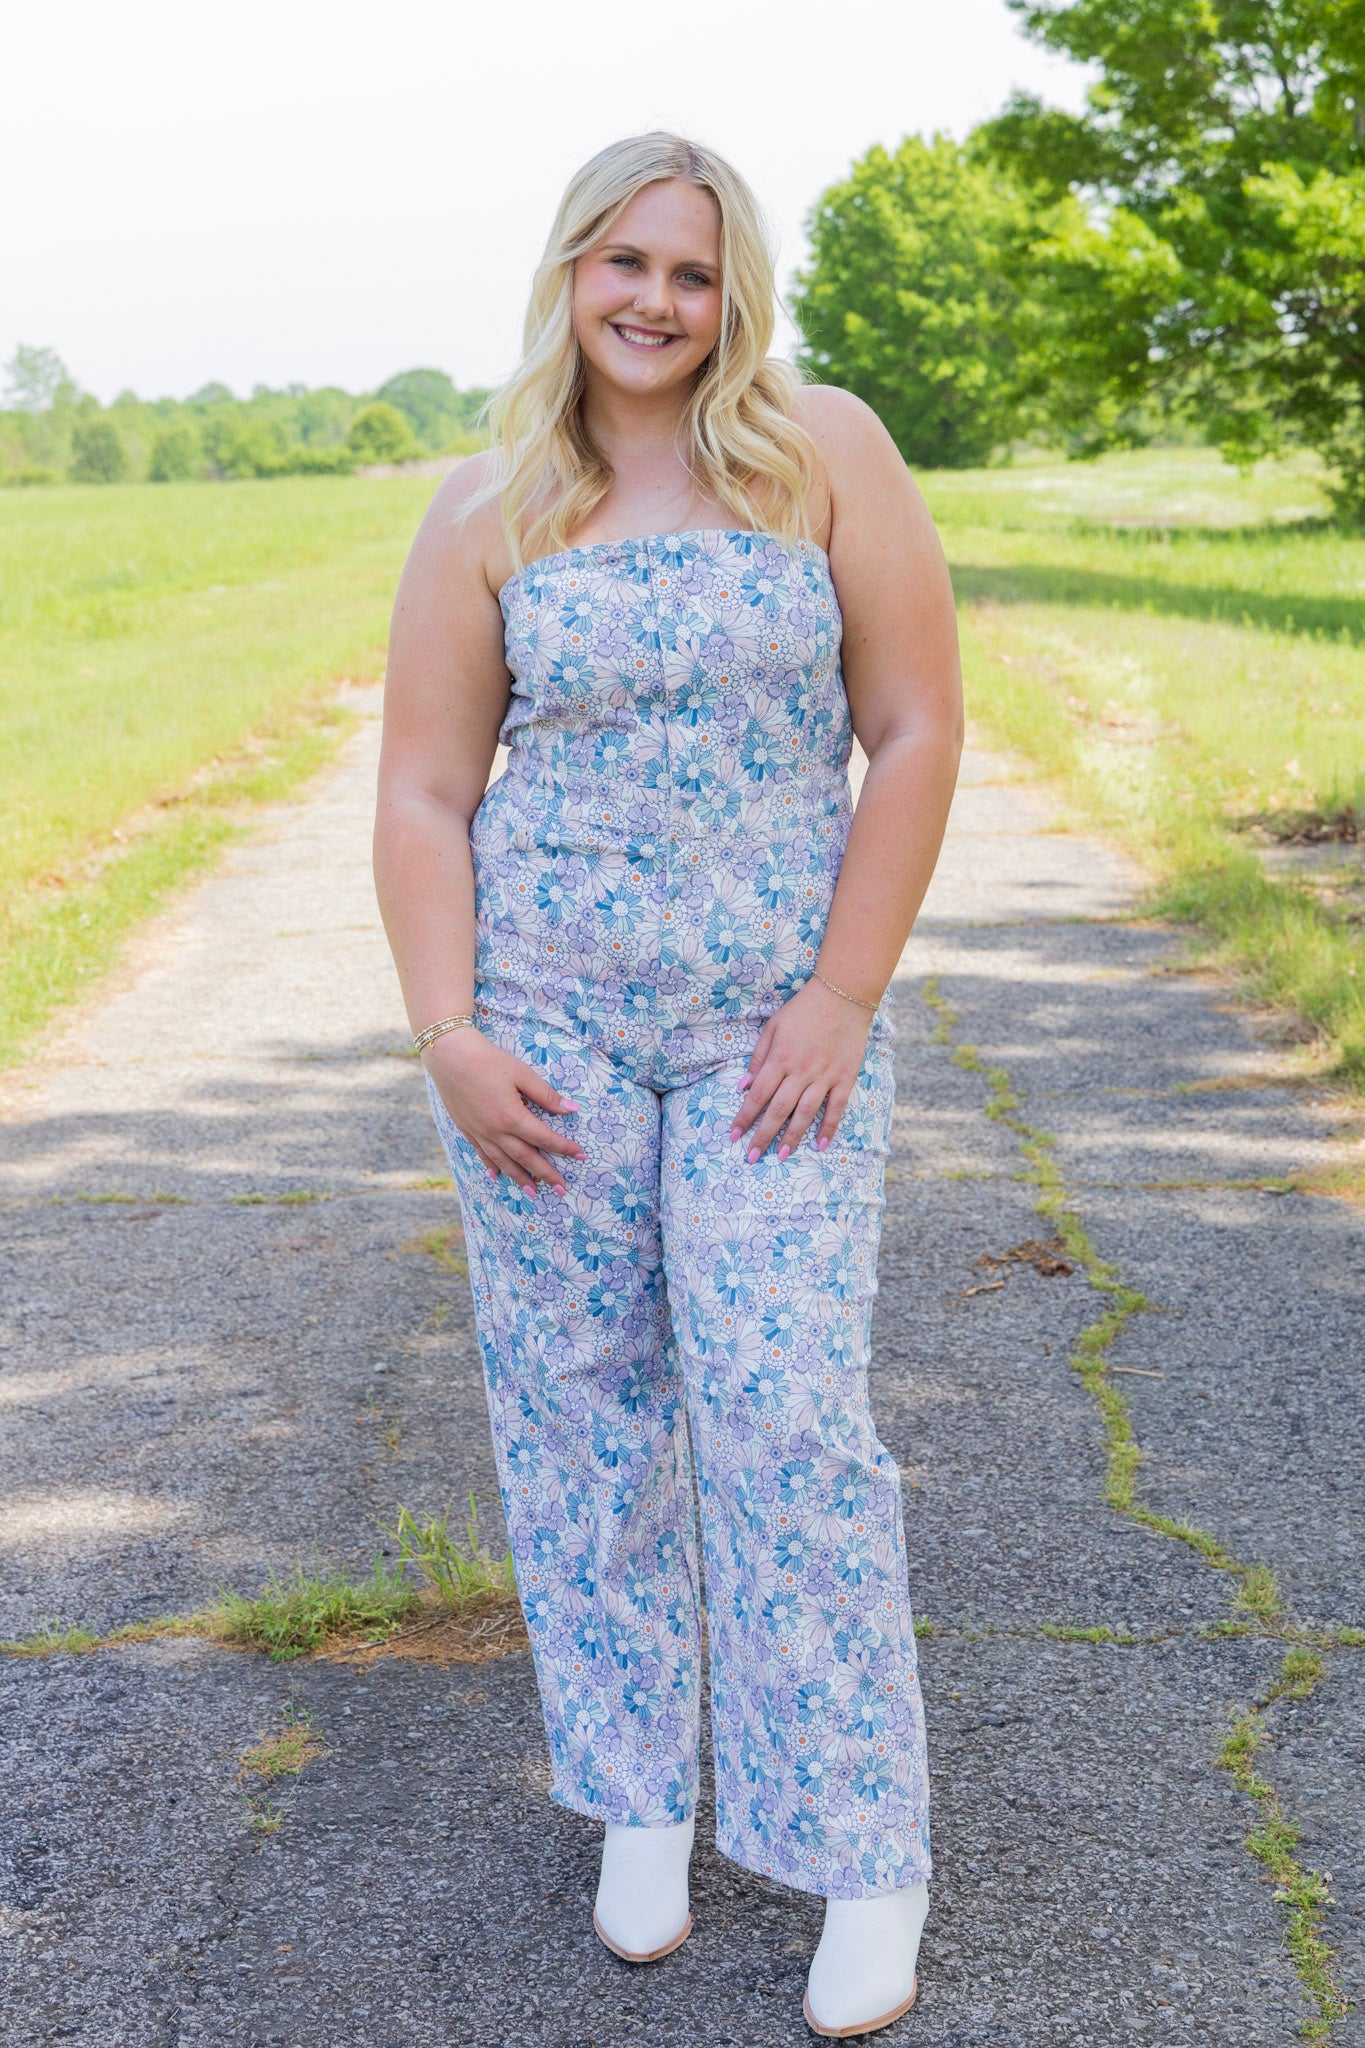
648, 973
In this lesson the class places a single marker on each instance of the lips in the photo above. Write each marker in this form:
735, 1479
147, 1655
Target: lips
642, 337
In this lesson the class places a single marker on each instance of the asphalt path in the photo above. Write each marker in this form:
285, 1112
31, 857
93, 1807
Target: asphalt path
226, 1347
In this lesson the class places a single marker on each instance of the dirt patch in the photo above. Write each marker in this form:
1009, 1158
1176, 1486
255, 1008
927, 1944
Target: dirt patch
476, 1637
1044, 1254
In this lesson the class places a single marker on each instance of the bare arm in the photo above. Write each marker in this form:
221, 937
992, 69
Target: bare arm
444, 699
904, 684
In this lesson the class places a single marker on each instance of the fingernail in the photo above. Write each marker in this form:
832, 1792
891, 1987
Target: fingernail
565, 1103
560, 1188
734, 1134
785, 1152
492, 1173
822, 1144
751, 1154
745, 1082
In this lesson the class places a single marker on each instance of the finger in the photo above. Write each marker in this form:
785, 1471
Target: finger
774, 1116
541, 1089
758, 1055
764, 1076
760, 1092
533, 1132
834, 1109
481, 1147
534, 1163
799, 1122
499, 1164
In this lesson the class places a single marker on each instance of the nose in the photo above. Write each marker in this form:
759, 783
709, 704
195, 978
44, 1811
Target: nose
654, 299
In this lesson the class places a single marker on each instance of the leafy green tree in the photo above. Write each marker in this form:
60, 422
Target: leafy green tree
175, 455
239, 444
34, 377
917, 298
428, 401
1228, 138
381, 434
43, 396
323, 416
98, 455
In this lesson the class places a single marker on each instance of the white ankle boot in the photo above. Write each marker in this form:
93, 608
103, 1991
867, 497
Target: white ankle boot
863, 1973
642, 1905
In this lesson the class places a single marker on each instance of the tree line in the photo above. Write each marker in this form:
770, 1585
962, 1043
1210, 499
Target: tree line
1186, 256
52, 431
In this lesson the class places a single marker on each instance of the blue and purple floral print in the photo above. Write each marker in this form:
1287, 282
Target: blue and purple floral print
653, 872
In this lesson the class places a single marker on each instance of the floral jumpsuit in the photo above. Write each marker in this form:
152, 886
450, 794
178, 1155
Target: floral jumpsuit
653, 872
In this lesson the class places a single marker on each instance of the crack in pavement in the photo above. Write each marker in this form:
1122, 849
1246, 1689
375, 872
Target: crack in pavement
185, 1400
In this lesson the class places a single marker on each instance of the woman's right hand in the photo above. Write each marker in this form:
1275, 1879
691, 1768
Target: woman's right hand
482, 1087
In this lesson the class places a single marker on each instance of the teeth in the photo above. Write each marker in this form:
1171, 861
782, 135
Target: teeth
638, 339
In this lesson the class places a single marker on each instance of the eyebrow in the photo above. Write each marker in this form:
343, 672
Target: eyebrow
686, 263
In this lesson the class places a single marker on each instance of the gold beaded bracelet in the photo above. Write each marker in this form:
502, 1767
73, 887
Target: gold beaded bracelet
842, 991
434, 1031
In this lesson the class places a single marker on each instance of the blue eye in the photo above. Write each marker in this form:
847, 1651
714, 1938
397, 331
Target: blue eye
690, 277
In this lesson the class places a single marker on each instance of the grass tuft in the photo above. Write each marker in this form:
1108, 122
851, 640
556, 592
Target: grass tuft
307, 1611
283, 1754
462, 1575
442, 1243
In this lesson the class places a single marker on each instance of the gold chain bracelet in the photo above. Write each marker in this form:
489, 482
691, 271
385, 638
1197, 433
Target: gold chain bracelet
843, 991
434, 1031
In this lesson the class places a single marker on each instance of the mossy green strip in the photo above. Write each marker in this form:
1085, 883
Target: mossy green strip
1303, 1892
1258, 1604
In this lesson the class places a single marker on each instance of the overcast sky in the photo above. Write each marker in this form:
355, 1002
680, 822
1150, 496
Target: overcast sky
286, 191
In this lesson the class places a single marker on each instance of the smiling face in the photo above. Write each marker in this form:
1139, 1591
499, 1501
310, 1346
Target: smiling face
647, 296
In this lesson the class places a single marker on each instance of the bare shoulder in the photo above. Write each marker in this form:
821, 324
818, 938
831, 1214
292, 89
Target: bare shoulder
868, 478
459, 542
855, 446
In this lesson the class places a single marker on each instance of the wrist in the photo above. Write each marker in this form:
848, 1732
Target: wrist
440, 1027
854, 996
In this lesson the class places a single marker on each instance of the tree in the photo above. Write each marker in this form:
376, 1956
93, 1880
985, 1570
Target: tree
240, 445
323, 416
916, 298
35, 377
175, 455
381, 434
1230, 134
98, 455
427, 400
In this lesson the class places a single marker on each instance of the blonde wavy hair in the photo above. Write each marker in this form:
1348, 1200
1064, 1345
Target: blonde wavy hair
737, 435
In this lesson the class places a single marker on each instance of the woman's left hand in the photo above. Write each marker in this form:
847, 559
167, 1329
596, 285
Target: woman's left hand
809, 1052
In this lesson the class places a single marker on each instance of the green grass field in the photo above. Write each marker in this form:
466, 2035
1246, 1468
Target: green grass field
1182, 649
168, 657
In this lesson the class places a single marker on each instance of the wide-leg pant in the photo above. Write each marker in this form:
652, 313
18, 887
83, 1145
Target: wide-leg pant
681, 1306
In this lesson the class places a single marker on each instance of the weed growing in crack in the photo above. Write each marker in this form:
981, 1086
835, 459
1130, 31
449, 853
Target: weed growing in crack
1258, 1604
1303, 1892
282, 1755
1069, 1632
442, 1243
462, 1575
302, 1612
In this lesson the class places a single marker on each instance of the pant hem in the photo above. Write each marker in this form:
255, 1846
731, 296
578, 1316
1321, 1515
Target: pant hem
824, 1887
577, 1801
